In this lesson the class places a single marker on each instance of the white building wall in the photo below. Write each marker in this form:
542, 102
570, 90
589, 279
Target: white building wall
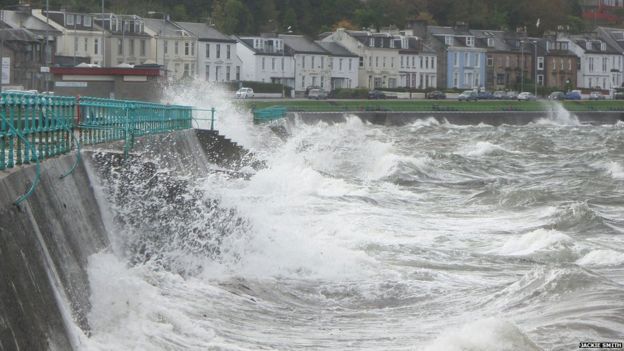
215, 64
345, 75
312, 70
418, 70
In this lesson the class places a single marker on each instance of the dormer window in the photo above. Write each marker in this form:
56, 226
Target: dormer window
371, 42
490, 42
603, 46
448, 40
78, 19
87, 21
588, 45
469, 41
69, 20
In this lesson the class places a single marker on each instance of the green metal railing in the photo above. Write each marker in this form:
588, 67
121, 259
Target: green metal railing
36, 127
268, 114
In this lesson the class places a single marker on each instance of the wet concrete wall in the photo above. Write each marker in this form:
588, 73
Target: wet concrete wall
46, 241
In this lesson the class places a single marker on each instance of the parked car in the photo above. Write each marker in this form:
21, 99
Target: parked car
499, 95
526, 96
596, 95
511, 95
556, 95
618, 94
317, 94
244, 93
485, 95
468, 95
573, 95
436, 95
376, 94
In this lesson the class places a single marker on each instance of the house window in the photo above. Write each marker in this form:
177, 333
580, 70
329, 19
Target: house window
370, 61
78, 19
433, 63
490, 42
273, 64
237, 73
227, 54
86, 45
604, 64
75, 43
361, 61
384, 61
540, 63
87, 21
69, 20
507, 61
96, 46
120, 47
142, 48
455, 80
376, 61
469, 41
176, 47
466, 59
263, 61
448, 40
456, 63
165, 46
340, 64
131, 47
192, 49
569, 64
187, 48
207, 50
591, 64
371, 42
187, 70
402, 65
490, 61
282, 63
350, 64
218, 50
217, 73
392, 62
427, 62
227, 73
207, 73
500, 79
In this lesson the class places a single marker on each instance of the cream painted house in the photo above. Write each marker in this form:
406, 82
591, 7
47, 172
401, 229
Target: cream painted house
173, 47
81, 38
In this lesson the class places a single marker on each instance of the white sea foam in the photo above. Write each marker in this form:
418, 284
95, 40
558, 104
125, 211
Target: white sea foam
612, 168
602, 258
535, 241
490, 334
558, 115
481, 148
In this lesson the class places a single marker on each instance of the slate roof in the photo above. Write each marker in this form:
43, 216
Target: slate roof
165, 28
335, 49
204, 32
17, 19
591, 43
302, 44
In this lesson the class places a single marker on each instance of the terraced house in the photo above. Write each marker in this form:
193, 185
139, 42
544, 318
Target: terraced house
173, 47
599, 62
461, 58
378, 56
81, 39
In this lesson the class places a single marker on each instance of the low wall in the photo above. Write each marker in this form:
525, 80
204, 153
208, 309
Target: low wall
454, 117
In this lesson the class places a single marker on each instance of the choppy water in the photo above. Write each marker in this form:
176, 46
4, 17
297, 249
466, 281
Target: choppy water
362, 237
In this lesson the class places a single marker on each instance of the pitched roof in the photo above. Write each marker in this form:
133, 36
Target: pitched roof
165, 28
205, 32
17, 19
301, 44
335, 49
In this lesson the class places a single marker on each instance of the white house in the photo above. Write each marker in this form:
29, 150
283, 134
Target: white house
173, 47
378, 56
600, 63
81, 38
216, 55
343, 64
311, 63
127, 41
418, 67
265, 59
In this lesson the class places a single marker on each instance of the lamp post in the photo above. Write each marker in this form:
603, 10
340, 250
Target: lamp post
288, 30
521, 66
535, 65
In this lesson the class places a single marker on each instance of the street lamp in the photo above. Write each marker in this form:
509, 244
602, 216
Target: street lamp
534, 42
522, 66
288, 30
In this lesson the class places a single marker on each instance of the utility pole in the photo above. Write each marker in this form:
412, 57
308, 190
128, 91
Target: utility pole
47, 47
521, 66
535, 66
103, 38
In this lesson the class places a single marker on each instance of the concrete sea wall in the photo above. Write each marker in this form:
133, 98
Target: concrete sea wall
455, 117
46, 241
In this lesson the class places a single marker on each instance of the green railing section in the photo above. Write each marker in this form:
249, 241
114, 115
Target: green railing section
268, 114
36, 127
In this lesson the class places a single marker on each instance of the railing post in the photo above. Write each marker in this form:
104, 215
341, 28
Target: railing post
212, 115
